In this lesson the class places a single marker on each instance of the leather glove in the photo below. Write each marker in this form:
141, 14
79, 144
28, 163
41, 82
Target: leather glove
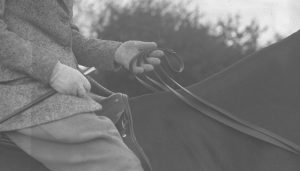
67, 80
128, 50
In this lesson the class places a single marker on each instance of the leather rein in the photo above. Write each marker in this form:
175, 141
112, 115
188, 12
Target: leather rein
162, 79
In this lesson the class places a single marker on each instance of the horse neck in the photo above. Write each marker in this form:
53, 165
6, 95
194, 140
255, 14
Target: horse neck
272, 71
263, 88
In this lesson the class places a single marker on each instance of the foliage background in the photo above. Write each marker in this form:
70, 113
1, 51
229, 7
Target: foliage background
205, 48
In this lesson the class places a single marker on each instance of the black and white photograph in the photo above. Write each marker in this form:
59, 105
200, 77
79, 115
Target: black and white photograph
149, 85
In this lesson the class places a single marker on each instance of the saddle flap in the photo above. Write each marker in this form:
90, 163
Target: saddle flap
112, 107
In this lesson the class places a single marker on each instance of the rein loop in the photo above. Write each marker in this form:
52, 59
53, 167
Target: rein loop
171, 62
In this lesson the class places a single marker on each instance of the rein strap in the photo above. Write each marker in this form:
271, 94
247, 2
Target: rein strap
162, 80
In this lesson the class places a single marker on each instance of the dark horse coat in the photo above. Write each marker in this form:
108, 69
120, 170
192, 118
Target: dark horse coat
263, 89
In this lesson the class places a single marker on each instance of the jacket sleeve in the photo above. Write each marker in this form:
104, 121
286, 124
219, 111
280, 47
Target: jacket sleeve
22, 56
94, 52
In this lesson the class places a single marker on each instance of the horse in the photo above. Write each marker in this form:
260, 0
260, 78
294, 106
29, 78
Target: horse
262, 89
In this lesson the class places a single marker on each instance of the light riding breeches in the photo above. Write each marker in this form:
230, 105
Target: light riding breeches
83, 142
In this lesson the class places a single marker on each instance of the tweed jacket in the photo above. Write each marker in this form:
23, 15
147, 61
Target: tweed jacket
34, 36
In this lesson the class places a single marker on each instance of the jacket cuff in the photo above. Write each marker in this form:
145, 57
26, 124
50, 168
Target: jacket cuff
95, 52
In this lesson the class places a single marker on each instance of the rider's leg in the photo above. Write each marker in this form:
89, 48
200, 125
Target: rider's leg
83, 142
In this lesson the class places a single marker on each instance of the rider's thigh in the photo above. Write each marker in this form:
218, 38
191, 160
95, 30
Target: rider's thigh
81, 142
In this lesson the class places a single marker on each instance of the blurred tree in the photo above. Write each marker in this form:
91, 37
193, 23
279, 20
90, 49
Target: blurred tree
205, 48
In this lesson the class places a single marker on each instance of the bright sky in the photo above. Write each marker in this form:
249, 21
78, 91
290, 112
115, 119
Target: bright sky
282, 16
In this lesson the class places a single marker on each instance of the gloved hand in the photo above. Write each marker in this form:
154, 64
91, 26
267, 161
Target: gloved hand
67, 80
128, 50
